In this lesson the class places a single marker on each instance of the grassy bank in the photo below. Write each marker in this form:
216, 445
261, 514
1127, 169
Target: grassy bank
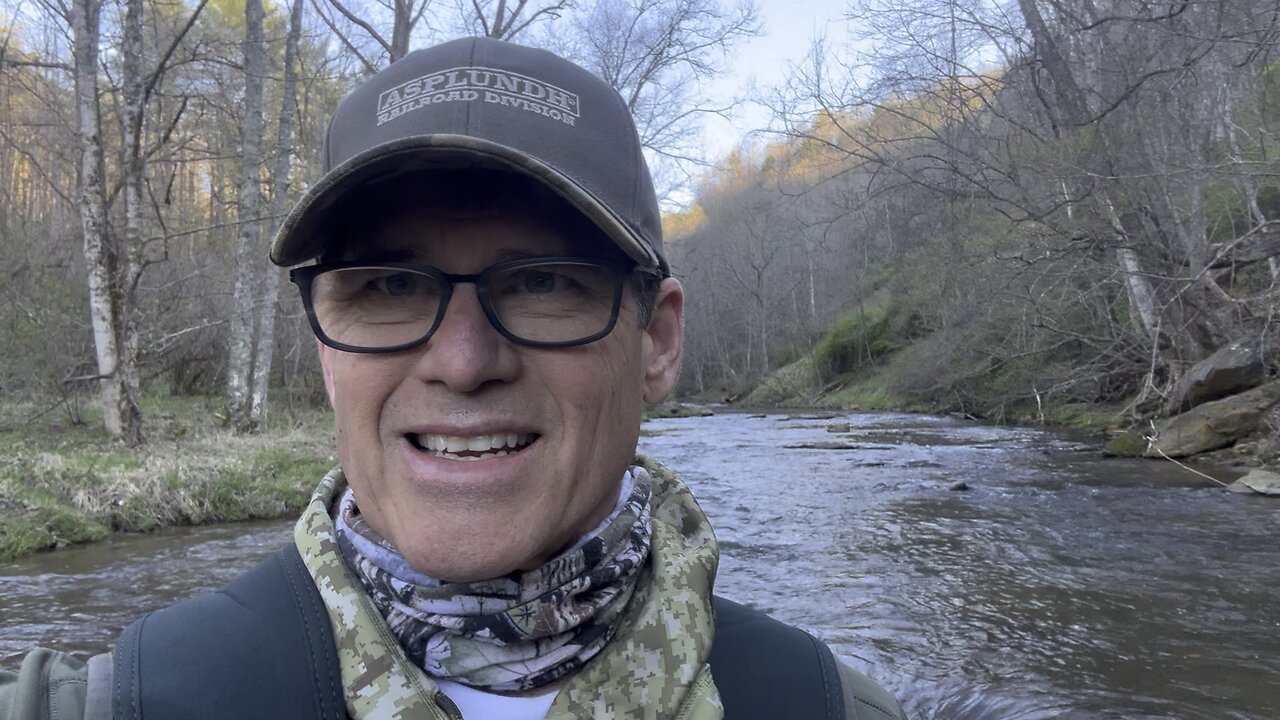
870, 388
64, 482
878, 357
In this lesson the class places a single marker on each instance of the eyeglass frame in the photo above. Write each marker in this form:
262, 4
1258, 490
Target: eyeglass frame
303, 277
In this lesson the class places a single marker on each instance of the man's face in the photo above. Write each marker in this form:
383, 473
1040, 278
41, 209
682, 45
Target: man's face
462, 520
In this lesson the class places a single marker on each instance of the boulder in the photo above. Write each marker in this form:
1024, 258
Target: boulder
1214, 424
1126, 444
677, 410
1260, 482
822, 446
1235, 367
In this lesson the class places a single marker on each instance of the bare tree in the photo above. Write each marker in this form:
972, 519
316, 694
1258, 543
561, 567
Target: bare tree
85, 21
248, 247
266, 340
344, 22
1064, 135
129, 257
657, 54
506, 20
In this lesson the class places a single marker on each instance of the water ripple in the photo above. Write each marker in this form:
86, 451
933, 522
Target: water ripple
1061, 585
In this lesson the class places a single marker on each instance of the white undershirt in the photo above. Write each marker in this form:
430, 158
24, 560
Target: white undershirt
479, 705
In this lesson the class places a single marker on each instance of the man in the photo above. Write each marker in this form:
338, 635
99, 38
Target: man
482, 265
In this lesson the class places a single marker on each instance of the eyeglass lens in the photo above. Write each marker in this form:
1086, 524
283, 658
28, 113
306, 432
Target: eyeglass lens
377, 307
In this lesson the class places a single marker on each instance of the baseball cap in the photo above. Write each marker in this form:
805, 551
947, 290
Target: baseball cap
485, 103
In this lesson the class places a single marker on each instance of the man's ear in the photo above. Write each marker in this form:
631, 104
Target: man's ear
326, 359
663, 342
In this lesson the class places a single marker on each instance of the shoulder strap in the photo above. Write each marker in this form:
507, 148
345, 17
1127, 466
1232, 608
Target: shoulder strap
262, 647
97, 698
259, 647
767, 669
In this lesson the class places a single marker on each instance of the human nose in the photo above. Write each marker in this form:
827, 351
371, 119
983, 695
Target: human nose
466, 352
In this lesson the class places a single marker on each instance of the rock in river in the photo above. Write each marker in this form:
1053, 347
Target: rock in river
822, 446
1261, 482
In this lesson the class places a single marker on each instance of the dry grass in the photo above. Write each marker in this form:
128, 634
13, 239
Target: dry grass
62, 482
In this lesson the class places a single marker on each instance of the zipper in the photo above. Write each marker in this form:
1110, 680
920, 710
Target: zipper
450, 708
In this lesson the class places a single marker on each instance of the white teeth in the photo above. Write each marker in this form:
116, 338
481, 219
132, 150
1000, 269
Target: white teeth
448, 446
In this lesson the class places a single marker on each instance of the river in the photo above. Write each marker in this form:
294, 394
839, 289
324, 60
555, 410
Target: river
1060, 585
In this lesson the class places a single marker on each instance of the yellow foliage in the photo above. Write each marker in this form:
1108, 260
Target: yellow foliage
838, 139
676, 226
232, 11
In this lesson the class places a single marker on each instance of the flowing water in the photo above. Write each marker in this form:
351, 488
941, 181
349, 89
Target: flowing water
1059, 585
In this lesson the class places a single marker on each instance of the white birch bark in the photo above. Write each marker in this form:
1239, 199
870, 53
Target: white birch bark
85, 21
1141, 297
1142, 302
248, 254
279, 204
1073, 107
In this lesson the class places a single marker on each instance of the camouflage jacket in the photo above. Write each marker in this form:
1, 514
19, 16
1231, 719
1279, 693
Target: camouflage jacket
654, 668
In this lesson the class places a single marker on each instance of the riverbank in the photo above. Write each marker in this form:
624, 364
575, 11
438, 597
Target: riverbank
869, 389
1060, 556
1242, 430
63, 482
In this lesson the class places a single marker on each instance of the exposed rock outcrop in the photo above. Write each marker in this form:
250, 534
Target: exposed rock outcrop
1235, 367
1214, 424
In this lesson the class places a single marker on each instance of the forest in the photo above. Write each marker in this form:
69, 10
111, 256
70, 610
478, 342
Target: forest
1024, 236
149, 149
1002, 209
998, 209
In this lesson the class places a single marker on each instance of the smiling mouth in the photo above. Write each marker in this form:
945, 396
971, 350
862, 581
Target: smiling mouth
477, 447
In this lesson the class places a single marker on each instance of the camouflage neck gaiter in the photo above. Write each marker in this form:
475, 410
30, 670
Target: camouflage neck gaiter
518, 632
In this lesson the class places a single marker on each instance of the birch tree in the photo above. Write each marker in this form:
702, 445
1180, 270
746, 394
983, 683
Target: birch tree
100, 261
129, 258
1072, 113
248, 251
265, 343
1068, 136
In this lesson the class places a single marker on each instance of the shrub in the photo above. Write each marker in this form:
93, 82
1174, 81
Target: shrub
861, 338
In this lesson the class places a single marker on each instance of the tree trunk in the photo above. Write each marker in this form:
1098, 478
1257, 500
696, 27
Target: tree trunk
279, 204
1141, 301
400, 29
85, 21
1072, 103
248, 254
130, 269
1074, 112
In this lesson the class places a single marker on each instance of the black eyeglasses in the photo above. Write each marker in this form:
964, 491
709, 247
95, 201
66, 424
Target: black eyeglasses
365, 307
